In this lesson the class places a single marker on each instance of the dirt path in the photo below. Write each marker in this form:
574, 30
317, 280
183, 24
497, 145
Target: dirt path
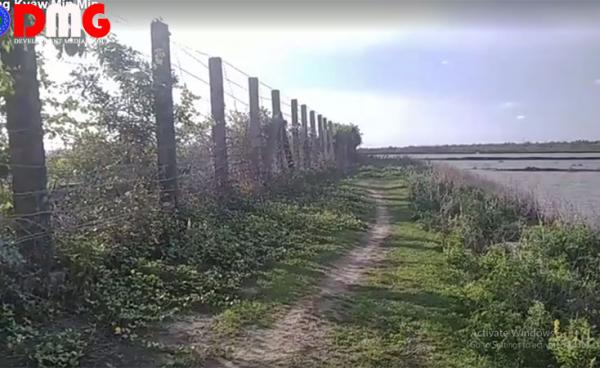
303, 329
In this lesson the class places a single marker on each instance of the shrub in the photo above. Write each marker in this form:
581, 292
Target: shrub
575, 347
512, 338
59, 350
479, 218
145, 270
521, 271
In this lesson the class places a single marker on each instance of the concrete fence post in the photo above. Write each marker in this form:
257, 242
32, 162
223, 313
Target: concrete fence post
305, 138
295, 132
320, 138
254, 129
312, 140
162, 82
28, 159
331, 154
219, 128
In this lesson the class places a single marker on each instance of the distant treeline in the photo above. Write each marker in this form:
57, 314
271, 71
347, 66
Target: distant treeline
527, 147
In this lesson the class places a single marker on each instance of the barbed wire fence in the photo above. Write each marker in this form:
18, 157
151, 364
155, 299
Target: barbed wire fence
254, 134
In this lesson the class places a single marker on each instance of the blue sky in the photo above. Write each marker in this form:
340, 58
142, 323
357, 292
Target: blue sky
432, 81
466, 86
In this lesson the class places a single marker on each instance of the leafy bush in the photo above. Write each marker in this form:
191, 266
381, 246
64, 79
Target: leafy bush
59, 350
522, 273
575, 347
120, 261
125, 277
479, 218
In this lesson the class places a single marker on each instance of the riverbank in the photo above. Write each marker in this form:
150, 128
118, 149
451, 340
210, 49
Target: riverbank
530, 281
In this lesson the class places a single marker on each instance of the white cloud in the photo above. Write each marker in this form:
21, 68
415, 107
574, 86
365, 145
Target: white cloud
508, 105
252, 48
395, 120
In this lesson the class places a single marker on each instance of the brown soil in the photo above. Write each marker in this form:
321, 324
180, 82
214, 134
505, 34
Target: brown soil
302, 331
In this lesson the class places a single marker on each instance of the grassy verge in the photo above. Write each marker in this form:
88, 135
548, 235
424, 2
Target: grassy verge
516, 288
408, 311
284, 283
263, 298
531, 280
118, 283
469, 280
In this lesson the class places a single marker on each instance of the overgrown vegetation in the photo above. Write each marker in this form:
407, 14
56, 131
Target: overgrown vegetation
480, 279
530, 284
121, 286
120, 262
406, 311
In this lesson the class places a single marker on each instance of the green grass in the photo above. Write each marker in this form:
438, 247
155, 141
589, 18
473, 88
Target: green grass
408, 312
264, 298
285, 282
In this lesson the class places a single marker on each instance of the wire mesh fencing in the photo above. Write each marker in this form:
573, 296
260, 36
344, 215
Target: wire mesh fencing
133, 135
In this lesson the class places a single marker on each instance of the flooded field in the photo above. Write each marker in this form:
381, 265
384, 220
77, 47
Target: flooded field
569, 182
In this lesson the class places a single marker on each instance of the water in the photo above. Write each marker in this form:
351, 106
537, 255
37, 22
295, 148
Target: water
502, 155
573, 191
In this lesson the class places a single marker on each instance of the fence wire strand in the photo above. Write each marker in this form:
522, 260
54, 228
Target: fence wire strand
115, 194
